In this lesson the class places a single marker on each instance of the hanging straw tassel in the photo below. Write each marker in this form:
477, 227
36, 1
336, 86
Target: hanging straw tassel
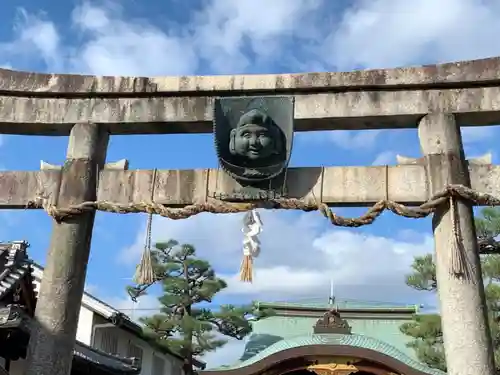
144, 273
459, 265
251, 244
246, 269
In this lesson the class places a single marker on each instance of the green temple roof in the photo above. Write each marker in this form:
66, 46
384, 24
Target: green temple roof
374, 326
280, 327
359, 341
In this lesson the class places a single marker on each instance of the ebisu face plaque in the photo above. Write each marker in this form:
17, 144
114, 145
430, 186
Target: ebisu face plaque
253, 139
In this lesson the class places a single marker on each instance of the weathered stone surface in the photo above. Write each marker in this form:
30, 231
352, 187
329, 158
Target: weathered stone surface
33, 103
181, 187
18, 188
324, 111
484, 71
125, 186
336, 186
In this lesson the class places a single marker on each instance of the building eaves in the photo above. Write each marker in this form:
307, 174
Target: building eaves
116, 364
13, 318
15, 266
119, 319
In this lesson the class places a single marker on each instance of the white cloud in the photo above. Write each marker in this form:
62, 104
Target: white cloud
228, 354
335, 256
219, 237
227, 32
364, 139
35, 37
116, 47
300, 256
385, 33
304, 34
220, 36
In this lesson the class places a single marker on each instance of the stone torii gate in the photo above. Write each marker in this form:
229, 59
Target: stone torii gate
434, 99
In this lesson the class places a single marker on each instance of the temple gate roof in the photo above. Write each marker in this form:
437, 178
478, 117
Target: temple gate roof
362, 327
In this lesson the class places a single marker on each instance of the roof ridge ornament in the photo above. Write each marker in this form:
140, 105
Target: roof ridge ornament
332, 322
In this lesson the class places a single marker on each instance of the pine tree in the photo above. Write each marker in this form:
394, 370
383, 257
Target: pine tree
184, 324
425, 330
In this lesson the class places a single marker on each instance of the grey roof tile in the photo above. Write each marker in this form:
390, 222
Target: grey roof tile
14, 265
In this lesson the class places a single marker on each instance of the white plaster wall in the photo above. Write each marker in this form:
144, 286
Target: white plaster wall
85, 324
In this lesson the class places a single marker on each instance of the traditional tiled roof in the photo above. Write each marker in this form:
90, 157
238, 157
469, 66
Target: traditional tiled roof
114, 364
14, 266
359, 341
14, 316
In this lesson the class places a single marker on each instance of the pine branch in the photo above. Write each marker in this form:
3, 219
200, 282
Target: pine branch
188, 281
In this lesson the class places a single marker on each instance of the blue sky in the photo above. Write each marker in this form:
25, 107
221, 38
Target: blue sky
227, 37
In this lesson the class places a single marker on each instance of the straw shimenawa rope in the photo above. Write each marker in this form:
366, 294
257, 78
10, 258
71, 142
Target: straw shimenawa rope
221, 207
447, 196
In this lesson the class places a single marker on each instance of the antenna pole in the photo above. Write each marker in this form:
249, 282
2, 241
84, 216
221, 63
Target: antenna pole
331, 298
